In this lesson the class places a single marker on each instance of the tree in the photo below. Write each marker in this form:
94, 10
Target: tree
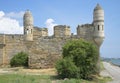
84, 56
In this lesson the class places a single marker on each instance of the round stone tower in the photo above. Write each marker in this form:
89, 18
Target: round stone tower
98, 22
28, 26
98, 34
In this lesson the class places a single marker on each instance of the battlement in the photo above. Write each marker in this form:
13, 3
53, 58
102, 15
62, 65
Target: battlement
41, 29
39, 32
85, 25
85, 31
62, 31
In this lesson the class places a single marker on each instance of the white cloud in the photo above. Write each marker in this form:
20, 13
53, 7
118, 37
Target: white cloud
16, 15
10, 25
50, 24
1, 14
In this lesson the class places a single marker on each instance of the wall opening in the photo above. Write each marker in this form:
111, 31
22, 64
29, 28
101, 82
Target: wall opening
31, 31
27, 31
98, 27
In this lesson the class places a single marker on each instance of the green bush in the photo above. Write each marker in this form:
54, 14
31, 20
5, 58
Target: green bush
20, 59
84, 57
66, 68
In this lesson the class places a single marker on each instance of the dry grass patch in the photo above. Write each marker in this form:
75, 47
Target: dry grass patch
51, 71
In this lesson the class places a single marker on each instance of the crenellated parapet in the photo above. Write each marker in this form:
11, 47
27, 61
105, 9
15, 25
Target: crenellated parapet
62, 31
85, 31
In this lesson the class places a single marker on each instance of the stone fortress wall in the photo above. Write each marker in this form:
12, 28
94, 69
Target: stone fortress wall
45, 50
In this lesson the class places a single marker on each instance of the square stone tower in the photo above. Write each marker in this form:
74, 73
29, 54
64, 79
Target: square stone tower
62, 31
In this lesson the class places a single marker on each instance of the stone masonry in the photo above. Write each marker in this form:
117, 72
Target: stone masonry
45, 50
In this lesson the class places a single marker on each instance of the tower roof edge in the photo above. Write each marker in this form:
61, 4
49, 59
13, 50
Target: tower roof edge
98, 7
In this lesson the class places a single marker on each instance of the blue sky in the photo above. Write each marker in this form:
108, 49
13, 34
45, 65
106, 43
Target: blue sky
66, 12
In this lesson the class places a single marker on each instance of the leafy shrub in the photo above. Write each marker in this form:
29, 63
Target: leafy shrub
84, 57
20, 59
66, 68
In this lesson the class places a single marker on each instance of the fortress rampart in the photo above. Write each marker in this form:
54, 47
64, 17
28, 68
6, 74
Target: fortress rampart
44, 50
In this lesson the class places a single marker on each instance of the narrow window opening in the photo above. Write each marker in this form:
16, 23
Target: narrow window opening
31, 31
98, 27
27, 31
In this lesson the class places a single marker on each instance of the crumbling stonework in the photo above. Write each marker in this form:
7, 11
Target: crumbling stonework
45, 50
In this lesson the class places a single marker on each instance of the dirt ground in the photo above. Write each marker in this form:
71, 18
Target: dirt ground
50, 71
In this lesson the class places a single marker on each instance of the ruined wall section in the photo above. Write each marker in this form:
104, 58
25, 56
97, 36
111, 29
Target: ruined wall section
1, 49
62, 31
1, 53
39, 32
45, 52
85, 31
1, 39
13, 45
